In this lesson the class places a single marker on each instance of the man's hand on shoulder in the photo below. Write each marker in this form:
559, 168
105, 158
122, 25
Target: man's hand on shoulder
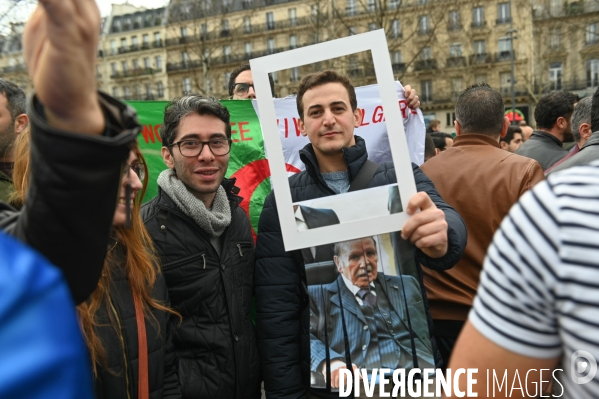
426, 229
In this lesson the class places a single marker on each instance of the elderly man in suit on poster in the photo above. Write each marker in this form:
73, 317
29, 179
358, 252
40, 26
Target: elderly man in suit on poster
375, 316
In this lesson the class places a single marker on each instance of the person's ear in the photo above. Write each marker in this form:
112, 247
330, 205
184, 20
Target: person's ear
167, 157
437, 151
503, 145
585, 131
357, 117
506, 124
21, 122
561, 122
336, 260
302, 128
458, 128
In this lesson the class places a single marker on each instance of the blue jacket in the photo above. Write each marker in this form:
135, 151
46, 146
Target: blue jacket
282, 302
43, 353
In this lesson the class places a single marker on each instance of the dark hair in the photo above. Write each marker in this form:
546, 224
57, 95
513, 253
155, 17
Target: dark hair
595, 111
320, 78
552, 106
581, 114
180, 107
480, 109
343, 244
246, 67
15, 98
509, 136
439, 139
429, 147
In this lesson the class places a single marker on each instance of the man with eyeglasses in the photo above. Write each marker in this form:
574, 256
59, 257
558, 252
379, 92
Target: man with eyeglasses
205, 245
241, 83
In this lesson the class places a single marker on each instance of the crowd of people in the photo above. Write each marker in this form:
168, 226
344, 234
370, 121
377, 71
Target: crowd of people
104, 296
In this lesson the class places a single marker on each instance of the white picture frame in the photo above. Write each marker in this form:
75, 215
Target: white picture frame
376, 43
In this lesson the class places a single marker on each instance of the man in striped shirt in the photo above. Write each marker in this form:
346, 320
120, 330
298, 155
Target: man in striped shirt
538, 300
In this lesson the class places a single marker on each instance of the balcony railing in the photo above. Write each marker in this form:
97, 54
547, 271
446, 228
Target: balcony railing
422, 65
481, 58
503, 56
398, 67
134, 72
506, 20
455, 62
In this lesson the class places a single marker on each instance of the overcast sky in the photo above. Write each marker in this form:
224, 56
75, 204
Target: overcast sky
24, 8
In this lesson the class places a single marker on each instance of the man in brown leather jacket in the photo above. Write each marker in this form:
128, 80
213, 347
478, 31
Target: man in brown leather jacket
482, 182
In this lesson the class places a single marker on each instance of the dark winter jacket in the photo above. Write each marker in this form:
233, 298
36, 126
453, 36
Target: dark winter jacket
281, 295
543, 147
587, 154
215, 343
118, 331
73, 190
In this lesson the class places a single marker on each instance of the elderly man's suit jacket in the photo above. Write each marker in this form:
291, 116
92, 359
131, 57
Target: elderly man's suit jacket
325, 299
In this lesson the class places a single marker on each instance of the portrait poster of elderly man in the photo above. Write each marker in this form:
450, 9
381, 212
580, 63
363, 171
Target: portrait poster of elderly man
362, 300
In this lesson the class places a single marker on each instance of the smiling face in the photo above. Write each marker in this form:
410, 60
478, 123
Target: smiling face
120, 213
328, 119
357, 261
203, 173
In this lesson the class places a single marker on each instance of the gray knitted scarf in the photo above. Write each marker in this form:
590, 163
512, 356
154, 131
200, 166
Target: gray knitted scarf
213, 222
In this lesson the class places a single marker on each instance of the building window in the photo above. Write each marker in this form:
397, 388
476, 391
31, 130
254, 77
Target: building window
372, 26
371, 5
147, 63
478, 16
123, 44
145, 40
127, 93
203, 31
505, 83
157, 39
247, 25
158, 61
136, 91
275, 76
457, 86
555, 37
292, 17
455, 50
426, 90
395, 28
270, 21
593, 73
396, 57
591, 33
454, 20
504, 14
227, 53
115, 92
478, 79
134, 42
113, 49
393, 4
479, 47
354, 69
149, 95
424, 24
505, 46
185, 58
226, 78
124, 65
270, 46
426, 53
353, 30
135, 64
555, 76
184, 31
556, 7
292, 41
186, 85
351, 7
248, 48
113, 68
294, 74
224, 28
159, 90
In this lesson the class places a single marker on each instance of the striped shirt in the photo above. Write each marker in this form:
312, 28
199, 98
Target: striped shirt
539, 289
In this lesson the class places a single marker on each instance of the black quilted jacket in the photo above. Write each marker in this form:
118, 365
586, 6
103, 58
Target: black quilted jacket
282, 301
215, 343
117, 328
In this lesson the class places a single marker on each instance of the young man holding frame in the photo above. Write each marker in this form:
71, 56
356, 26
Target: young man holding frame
328, 112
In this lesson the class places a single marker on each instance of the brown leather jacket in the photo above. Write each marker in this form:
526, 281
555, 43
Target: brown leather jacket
482, 182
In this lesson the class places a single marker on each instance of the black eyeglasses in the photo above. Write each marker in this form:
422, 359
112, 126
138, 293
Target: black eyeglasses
137, 168
242, 88
193, 148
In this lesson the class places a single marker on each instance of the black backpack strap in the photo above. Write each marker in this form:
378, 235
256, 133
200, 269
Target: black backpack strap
364, 176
